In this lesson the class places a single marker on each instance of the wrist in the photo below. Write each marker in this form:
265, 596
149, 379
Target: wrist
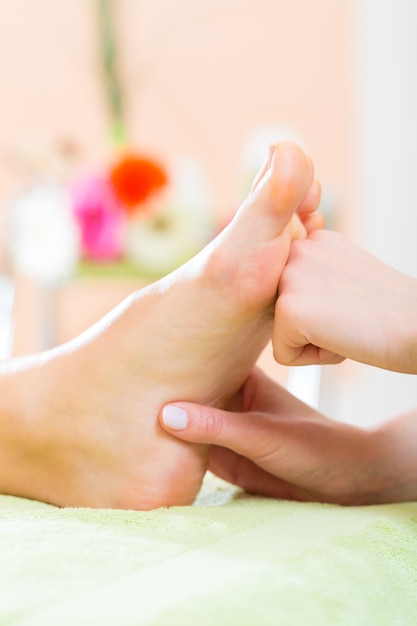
394, 468
404, 340
412, 343
363, 474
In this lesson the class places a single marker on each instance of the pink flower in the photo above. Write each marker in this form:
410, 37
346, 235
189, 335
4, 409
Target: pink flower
100, 217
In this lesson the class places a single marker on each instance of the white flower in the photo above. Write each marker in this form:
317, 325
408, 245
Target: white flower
44, 239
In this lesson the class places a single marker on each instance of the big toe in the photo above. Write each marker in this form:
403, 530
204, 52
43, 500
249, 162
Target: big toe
251, 252
279, 189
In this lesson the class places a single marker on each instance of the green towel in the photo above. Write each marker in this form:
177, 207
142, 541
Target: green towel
231, 559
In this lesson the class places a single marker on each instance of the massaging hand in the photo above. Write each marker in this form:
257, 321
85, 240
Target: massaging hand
336, 300
278, 446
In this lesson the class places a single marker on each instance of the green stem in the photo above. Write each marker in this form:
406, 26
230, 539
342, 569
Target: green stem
113, 86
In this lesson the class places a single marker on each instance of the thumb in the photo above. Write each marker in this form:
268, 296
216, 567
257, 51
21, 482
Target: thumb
248, 434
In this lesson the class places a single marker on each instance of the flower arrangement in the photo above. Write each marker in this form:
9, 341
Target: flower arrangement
103, 203
140, 216
133, 217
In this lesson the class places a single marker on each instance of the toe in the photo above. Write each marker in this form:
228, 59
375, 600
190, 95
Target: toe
278, 191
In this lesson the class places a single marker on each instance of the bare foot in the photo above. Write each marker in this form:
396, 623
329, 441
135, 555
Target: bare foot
90, 435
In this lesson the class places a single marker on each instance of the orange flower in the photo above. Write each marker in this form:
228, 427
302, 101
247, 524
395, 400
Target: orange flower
135, 178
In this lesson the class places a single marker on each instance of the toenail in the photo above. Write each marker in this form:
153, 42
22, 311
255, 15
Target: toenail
271, 151
174, 417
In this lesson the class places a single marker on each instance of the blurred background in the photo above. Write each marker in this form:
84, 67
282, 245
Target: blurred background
186, 95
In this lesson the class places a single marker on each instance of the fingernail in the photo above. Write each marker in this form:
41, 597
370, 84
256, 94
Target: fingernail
174, 417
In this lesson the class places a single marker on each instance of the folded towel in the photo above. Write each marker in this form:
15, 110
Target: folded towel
231, 559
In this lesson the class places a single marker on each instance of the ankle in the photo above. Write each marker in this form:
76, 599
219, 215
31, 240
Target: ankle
25, 429
15, 439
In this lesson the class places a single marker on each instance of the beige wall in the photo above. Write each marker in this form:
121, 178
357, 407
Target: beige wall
199, 77
384, 53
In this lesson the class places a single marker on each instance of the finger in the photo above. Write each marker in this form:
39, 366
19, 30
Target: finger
291, 346
308, 354
241, 471
248, 436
